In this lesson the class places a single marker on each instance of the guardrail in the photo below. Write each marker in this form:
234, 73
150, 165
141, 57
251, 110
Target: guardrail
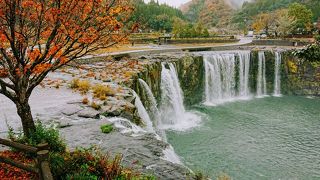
41, 167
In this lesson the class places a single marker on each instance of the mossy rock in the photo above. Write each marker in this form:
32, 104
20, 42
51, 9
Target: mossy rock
107, 128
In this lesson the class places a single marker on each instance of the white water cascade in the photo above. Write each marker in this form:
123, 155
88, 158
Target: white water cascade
152, 100
261, 78
153, 108
244, 67
277, 74
143, 113
220, 80
173, 113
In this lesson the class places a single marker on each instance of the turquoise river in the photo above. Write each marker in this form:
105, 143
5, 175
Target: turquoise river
267, 138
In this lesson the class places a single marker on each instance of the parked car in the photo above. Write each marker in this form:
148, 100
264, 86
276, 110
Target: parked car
263, 36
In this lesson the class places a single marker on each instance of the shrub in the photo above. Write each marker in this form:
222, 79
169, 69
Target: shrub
85, 100
84, 86
101, 91
42, 134
223, 177
81, 85
86, 164
311, 53
107, 128
317, 38
91, 164
74, 84
198, 175
95, 106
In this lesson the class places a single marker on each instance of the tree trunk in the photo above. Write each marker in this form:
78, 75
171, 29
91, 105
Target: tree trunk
24, 112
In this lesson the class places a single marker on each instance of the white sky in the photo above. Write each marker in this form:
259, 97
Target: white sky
175, 3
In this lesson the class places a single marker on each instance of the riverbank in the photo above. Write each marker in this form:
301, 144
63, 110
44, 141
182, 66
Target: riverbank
79, 122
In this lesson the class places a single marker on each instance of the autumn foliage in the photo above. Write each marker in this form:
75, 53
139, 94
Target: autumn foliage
8, 172
39, 36
52, 32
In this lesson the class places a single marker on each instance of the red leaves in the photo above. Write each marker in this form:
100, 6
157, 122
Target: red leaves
3, 73
27, 4
49, 33
8, 172
33, 55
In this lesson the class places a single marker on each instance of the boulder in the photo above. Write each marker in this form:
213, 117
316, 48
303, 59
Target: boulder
89, 113
70, 110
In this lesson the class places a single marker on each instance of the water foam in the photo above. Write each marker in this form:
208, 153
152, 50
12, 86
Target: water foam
174, 116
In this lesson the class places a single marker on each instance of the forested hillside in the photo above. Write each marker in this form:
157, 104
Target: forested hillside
220, 14
211, 13
155, 16
249, 10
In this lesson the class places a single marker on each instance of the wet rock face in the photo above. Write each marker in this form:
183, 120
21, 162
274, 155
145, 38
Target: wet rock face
190, 70
191, 75
301, 77
297, 77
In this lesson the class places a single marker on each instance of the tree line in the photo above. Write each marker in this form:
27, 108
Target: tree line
282, 17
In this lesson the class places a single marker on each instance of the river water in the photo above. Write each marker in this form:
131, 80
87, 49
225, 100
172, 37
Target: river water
262, 138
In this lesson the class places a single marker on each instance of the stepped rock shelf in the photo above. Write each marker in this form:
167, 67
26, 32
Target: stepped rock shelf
149, 95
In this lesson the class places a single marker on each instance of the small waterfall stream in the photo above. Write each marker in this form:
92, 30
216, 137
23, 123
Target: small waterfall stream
169, 153
220, 83
171, 93
244, 67
155, 113
174, 116
152, 100
261, 78
143, 113
277, 74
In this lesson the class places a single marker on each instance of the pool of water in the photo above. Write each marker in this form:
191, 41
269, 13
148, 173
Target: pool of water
269, 138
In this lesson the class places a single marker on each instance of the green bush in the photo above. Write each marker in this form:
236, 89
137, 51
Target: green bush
311, 53
42, 134
91, 164
107, 128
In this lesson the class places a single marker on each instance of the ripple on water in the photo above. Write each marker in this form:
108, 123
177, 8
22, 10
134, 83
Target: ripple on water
271, 138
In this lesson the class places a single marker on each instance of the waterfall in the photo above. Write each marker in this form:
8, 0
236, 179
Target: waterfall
171, 92
220, 81
174, 115
220, 78
261, 78
244, 67
126, 127
277, 74
143, 113
151, 99
154, 108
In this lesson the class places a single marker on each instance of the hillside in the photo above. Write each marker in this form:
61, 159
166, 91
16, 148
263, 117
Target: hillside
227, 13
155, 16
212, 13
249, 10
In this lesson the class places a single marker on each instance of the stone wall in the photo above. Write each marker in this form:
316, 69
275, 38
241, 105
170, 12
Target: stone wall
278, 42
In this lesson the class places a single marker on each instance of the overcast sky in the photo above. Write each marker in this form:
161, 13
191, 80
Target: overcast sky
175, 3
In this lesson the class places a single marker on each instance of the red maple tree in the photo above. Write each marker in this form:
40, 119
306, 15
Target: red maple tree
39, 36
